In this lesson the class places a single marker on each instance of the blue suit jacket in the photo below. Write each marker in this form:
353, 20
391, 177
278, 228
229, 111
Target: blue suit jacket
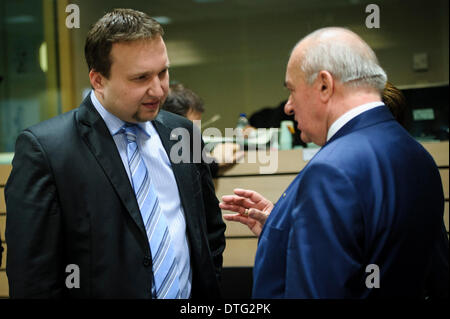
371, 195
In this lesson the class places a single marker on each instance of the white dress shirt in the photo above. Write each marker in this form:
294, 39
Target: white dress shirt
161, 174
349, 115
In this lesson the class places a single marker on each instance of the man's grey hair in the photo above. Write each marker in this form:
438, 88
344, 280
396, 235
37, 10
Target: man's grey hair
352, 63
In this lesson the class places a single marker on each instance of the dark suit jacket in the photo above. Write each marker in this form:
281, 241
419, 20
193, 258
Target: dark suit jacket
371, 196
69, 201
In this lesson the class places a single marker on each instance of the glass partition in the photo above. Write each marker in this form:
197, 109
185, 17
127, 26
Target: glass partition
28, 67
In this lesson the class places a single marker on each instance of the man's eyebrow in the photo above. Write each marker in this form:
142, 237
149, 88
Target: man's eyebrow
148, 72
139, 74
166, 67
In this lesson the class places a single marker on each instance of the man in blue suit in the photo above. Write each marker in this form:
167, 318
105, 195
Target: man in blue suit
364, 218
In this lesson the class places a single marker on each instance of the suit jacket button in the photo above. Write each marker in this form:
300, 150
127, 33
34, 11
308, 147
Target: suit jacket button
147, 261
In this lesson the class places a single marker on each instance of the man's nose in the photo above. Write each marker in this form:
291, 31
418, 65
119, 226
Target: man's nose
155, 88
288, 109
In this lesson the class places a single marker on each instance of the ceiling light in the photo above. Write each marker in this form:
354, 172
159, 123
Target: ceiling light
43, 61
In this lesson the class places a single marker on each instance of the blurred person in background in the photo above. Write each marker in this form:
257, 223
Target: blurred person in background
185, 102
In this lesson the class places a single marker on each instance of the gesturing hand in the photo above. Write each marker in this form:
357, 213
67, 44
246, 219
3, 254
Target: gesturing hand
251, 207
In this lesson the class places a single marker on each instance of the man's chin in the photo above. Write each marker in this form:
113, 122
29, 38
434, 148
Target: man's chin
146, 116
305, 138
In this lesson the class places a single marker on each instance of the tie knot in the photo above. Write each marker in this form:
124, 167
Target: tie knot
130, 131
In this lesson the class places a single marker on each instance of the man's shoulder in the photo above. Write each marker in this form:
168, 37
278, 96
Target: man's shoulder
386, 143
55, 126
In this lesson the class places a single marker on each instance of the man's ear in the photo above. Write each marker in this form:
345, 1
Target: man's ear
326, 85
97, 81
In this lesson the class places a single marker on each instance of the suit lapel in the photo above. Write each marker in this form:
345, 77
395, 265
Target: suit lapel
95, 133
371, 117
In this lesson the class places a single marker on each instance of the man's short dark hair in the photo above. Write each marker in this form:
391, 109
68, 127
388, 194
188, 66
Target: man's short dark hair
181, 100
119, 25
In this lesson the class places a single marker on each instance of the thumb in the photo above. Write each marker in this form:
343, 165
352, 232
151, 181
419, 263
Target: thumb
258, 215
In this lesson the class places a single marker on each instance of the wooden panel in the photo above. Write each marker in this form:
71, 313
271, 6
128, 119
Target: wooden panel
5, 170
3, 266
439, 151
444, 177
4, 290
446, 215
240, 252
2, 200
255, 163
2, 226
291, 161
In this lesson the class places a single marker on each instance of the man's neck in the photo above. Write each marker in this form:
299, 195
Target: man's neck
350, 99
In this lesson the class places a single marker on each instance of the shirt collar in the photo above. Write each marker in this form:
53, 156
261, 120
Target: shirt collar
349, 115
113, 123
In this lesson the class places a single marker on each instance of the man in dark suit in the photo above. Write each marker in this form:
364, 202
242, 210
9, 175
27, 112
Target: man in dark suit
364, 218
85, 186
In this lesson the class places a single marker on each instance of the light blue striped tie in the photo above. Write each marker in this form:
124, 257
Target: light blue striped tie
161, 247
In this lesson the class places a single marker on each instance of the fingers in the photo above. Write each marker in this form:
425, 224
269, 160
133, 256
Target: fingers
234, 208
236, 218
232, 217
258, 215
229, 198
238, 201
243, 199
250, 194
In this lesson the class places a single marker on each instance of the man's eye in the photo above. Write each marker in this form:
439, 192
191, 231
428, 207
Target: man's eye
140, 78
